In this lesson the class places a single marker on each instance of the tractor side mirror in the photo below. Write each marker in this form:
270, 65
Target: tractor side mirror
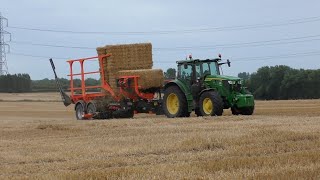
228, 62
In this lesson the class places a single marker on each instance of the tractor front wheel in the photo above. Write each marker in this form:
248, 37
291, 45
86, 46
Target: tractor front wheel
175, 103
235, 111
211, 104
247, 111
242, 111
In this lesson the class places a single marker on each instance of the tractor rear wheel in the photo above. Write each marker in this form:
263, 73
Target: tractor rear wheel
197, 112
80, 111
175, 103
211, 104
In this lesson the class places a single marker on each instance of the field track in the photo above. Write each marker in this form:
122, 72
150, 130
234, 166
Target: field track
43, 140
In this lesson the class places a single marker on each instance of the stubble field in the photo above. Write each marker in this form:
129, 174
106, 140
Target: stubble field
42, 140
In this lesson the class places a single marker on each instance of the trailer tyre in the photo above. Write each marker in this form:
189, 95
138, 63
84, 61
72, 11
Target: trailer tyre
80, 111
175, 103
91, 108
211, 104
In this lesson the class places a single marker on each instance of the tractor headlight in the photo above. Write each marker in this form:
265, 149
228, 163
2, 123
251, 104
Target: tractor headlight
231, 82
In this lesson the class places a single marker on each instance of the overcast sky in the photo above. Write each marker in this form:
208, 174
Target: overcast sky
166, 15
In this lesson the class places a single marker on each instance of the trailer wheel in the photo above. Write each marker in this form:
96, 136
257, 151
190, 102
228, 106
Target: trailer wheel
79, 111
175, 103
211, 104
91, 108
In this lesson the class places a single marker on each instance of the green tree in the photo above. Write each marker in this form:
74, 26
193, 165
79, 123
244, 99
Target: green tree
170, 73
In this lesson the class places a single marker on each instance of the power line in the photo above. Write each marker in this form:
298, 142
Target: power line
234, 59
231, 45
51, 45
210, 29
262, 58
245, 44
38, 56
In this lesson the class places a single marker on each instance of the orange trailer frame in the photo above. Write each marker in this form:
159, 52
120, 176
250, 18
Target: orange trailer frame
123, 80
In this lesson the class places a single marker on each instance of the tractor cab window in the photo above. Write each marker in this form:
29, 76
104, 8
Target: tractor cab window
205, 69
185, 71
209, 68
213, 68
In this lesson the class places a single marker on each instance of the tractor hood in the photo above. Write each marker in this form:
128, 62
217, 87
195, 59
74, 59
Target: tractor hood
221, 77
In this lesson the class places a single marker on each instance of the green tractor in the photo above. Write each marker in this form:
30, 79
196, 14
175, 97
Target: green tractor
200, 87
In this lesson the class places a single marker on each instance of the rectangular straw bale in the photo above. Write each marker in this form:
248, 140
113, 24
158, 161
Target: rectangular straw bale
128, 56
125, 57
148, 78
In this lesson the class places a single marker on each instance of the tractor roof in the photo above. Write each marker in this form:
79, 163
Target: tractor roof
192, 61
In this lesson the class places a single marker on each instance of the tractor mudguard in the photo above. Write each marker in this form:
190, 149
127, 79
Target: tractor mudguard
185, 91
205, 90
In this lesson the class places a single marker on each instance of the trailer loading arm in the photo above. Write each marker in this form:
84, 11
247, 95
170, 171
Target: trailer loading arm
65, 98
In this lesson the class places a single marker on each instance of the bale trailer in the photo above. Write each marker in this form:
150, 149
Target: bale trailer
125, 101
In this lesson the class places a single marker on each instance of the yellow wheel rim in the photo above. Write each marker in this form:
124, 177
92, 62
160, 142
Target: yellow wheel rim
173, 103
207, 106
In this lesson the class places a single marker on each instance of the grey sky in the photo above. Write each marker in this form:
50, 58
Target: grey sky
148, 15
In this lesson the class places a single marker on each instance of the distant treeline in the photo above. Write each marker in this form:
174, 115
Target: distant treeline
277, 82
15, 83
18, 83
283, 82
49, 85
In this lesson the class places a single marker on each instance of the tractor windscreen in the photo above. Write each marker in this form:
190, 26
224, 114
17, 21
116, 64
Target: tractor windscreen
209, 68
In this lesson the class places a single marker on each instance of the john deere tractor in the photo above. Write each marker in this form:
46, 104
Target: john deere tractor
200, 87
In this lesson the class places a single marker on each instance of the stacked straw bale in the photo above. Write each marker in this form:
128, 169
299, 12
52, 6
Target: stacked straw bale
148, 78
126, 57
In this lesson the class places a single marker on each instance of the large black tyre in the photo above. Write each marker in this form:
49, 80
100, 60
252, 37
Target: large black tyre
119, 114
211, 104
244, 111
80, 111
91, 108
197, 112
175, 103
187, 114
235, 110
247, 111
129, 114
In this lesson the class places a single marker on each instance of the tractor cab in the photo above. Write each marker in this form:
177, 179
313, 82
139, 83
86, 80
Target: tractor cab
193, 70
